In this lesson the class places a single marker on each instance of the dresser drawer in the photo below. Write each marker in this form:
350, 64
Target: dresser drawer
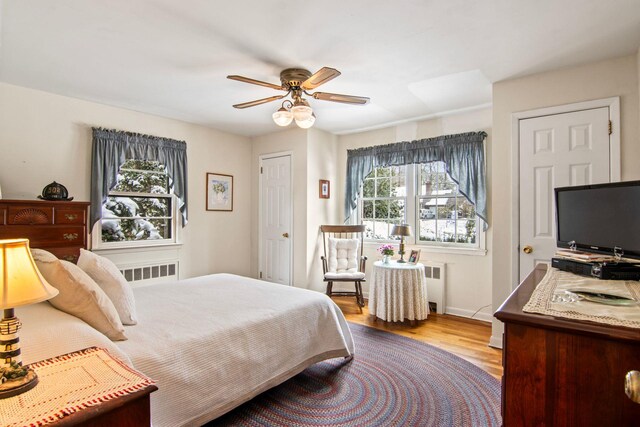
59, 227
27, 215
70, 216
47, 235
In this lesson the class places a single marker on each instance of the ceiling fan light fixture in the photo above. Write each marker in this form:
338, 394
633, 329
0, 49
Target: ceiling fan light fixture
297, 82
306, 124
301, 110
283, 117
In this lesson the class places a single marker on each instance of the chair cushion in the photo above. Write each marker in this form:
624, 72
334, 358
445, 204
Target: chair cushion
343, 255
344, 276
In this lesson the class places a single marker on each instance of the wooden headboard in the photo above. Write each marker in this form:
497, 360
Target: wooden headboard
56, 226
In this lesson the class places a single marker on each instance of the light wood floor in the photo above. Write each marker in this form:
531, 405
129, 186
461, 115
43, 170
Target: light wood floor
464, 337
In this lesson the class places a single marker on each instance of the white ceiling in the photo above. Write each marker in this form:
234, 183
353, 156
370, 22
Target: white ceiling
413, 58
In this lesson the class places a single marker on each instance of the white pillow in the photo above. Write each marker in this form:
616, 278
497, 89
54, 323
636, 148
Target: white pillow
79, 295
343, 255
108, 277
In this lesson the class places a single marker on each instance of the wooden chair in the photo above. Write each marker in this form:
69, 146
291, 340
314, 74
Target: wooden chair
343, 260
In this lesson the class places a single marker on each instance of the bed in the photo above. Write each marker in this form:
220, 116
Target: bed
210, 342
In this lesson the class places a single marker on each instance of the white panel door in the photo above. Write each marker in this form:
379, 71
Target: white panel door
556, 151
275, 220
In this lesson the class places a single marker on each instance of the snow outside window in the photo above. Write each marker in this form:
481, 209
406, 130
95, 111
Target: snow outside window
423, 196
383, 201
444, 214
140, 208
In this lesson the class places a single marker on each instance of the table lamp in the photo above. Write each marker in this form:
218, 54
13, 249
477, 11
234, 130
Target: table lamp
20, 284
402, 230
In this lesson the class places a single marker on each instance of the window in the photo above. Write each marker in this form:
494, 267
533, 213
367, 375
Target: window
383, 201
444, 214
424, 196
140, 208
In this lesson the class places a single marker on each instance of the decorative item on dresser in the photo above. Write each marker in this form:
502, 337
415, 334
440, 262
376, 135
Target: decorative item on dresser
60, 227
561, 371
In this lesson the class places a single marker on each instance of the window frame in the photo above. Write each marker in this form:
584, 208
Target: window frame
96, 234
412, 215
361, 200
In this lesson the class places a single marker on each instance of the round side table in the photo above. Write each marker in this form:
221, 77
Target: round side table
398, 292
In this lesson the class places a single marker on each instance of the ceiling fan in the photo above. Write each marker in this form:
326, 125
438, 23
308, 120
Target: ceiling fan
296, 82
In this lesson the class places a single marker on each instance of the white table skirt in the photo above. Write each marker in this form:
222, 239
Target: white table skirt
398, 292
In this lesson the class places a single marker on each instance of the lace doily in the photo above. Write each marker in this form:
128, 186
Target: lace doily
556, 282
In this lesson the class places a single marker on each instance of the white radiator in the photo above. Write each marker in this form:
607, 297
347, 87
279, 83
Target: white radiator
436, 280
147, 274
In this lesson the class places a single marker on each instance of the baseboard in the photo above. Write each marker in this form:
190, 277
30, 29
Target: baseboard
485, 317
495, 342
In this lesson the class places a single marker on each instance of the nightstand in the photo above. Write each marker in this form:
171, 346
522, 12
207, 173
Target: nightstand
398, 291
84, 388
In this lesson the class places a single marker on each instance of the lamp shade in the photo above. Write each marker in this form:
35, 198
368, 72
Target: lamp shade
282, 117
20, 281
401, 230
301, 112
306, 124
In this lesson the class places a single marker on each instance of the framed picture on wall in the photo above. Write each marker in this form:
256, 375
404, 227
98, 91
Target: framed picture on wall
325, 189
219, 192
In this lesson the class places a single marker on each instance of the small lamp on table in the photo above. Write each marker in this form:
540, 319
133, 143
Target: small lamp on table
402, 230
20, 284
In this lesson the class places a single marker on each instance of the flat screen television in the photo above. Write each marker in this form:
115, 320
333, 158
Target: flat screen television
600, 218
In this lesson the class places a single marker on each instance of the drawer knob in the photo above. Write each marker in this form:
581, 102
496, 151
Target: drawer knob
71, 217
70, 236
632, 385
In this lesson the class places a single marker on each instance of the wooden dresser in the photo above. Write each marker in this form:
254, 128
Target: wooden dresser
58, 227
563, 372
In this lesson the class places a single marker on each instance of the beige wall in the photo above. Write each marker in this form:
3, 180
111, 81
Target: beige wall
614, 77
468, 276
46, 137
321, 164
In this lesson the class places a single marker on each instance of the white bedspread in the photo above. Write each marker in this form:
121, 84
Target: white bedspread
47, 332
214, 342
210, 343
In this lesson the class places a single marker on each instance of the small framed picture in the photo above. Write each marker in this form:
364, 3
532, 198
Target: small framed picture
415, 256
219, 192
325, 189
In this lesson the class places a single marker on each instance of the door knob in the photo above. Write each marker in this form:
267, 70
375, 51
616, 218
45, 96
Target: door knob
527, 249
285, 235
632, 385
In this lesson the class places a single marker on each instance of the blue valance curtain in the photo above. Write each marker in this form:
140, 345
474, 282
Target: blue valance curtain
462, 154
110, 150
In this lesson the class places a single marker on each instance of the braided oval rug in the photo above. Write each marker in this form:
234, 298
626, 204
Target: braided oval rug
392, 381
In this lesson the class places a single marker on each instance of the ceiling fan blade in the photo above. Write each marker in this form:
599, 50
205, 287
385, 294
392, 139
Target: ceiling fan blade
259, 101
345, 99
320, 77
255, 82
